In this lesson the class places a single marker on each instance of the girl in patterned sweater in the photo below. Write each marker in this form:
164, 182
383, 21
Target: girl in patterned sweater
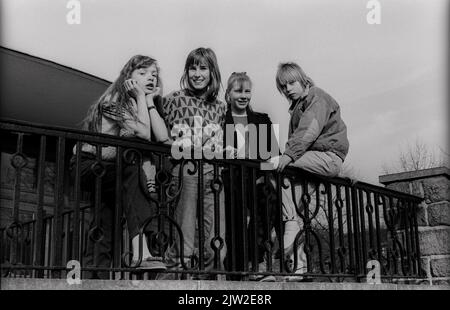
196, 107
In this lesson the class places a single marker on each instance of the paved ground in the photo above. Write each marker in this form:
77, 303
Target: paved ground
52, 284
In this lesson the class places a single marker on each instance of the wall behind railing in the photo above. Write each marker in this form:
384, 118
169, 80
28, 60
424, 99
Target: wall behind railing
433, 217
28, 190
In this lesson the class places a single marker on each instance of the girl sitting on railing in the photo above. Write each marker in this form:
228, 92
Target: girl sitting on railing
127, 108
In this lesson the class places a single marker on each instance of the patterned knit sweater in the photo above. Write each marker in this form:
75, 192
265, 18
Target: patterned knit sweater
181, 108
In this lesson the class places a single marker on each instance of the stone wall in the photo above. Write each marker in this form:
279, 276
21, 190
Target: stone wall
433, 217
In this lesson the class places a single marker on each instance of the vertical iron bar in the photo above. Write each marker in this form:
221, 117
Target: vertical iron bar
357, 232
40, 235
68, 253
82, 236
269, 215
232, 217
76, 217
331, 227
390, 228
59, 204
340, 227
363, 229
50, 260
33, 248
118, 210
410, 219
412, 215
253, 215
17, 181
244, 217
412, 236
416, 234
307, 221
162, 207
63, 237
217, 213
201, 216
349, 228
405, 216
97, 205
3, 246
280, 219
369, 211
378, 232
22, 234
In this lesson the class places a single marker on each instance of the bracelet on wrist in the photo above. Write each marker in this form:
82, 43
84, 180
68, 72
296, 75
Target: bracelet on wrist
151, 107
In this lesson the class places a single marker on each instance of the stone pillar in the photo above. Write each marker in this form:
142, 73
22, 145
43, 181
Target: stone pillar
433, 217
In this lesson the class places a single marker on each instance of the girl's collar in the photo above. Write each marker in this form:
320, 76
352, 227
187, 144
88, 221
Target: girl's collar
192, 93
238, 115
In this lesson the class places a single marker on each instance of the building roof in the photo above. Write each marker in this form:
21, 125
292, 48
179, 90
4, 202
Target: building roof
41, 91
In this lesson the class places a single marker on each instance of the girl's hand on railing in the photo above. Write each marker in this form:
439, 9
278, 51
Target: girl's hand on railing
271, 163
283, 162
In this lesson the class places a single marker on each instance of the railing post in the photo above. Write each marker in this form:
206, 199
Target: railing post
40, 233
351, 248
243, 224
331, 228
59, 205
357, 234
77, 193
232, 216
201, 215
254, 220
117, 240
377, 229
279, 179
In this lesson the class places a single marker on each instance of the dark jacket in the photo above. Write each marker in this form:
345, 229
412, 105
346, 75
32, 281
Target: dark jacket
239, 193
316, 125
257, 150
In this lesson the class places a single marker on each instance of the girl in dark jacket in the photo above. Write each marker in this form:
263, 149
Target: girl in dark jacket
251, 135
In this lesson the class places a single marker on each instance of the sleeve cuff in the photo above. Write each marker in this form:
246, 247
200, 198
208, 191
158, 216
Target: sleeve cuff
291, 155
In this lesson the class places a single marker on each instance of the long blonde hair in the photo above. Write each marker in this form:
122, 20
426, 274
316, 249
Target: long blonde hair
116, 97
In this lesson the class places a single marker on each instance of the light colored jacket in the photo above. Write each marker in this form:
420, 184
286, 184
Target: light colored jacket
316, 125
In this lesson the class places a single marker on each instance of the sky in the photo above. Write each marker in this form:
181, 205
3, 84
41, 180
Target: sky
390, 79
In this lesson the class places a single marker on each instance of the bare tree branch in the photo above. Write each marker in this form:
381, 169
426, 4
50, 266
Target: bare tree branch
416, 156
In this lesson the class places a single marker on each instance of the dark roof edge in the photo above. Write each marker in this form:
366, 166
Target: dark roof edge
54, 64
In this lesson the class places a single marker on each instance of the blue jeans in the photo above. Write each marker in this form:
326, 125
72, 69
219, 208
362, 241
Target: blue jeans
186, 216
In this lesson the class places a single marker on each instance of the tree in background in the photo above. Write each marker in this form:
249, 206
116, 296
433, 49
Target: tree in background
417, 156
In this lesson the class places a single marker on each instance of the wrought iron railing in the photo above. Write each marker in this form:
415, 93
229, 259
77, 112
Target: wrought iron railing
344, 224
